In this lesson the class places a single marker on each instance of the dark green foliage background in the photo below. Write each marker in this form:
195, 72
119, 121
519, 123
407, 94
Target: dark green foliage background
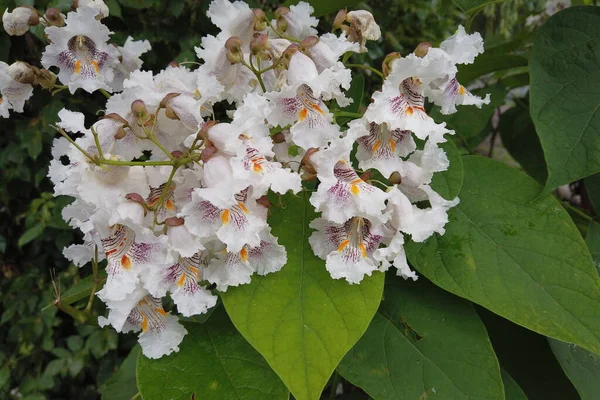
46, 355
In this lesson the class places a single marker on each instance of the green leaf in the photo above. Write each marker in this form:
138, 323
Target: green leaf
593, 242
31, 234
356, 92
565, 87
485, 64
581, 366
214, 362
512, 391
301, 320
592, 187
520, 258
528, 358
424, 342
122, 385
325, 7
448, 183
521, 141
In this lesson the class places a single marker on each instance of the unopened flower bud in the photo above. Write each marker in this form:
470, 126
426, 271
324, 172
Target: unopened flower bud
339, 19
139, 110
282, 23
208, 152
365, 176
177, 154
362, 28
395, 178
121, 133
203, 134
309, 42
281, 11
173, 64
54, 17
135, 197
386, 65
171, 114
233, 45
278, 137
306, 163
264, 201
259, 43
422, 49
17, 22
46, 79
174, 221
22, 72
116, 117
260, 20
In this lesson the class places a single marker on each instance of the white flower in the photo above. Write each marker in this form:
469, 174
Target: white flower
347, 247
395, 255
234, 19
236, 226
128, 258
311, 120
401, 102
463, 47
13, 94
362, 28
129, 60
342, 194
16, 23
98, 5
448, 93
327, 51
236, 268
81, 52
181, 280
161, 332
379, 147
301, 23
417, 222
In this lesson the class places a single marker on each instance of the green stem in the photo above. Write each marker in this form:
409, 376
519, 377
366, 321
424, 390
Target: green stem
335, 380
374, 70
88, 308
97, 141
255, 72
281, 34
64, 134
163, 195
143, 163
348, 114
105, 93
577, 211
137, 396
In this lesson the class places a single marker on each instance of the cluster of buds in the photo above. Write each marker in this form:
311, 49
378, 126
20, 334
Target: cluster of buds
192, 219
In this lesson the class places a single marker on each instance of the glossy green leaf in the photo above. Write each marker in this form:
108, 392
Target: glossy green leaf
325, 7
512, 391
122, 385
424, 342
565, 87
519, 138
300, 319
592, 187
214, 362
581, 366
485, 64
520, 258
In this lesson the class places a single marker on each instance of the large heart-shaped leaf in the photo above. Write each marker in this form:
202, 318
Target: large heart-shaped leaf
300, 319
565, 87
512, 390
122, 384
581, 366
520, 258
214, 362
424, 342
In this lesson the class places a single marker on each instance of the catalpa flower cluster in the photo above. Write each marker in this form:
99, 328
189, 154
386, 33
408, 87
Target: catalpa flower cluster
177, 202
